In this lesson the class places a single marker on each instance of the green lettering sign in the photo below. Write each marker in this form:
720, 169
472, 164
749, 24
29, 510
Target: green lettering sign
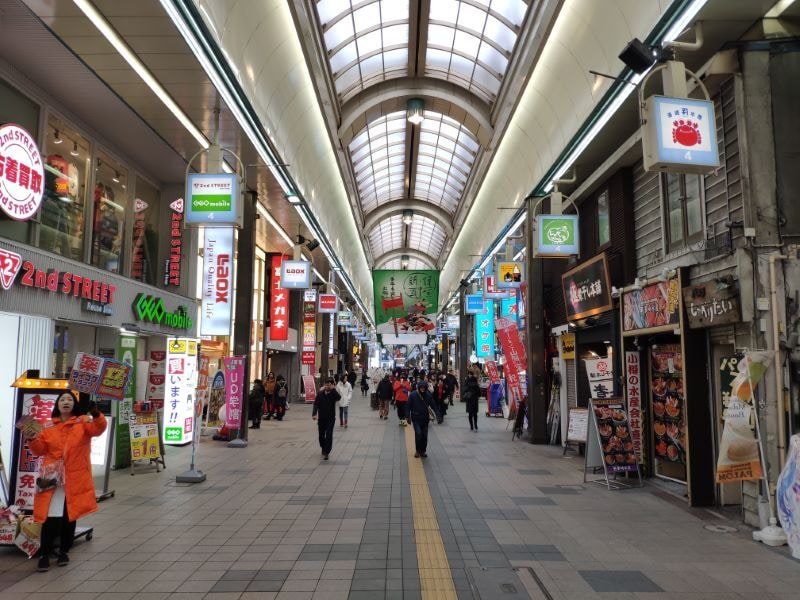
150, 309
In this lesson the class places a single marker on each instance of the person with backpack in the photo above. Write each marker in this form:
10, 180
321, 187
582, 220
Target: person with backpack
420, 404
472, 392
364, 383
269, 387
281, 397
255, 403
384, 391
450, 386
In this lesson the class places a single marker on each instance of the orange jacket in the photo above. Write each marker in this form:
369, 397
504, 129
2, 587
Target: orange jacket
70, 440
401, 390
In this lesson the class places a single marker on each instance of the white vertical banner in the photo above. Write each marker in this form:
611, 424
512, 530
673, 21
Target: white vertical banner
217, 299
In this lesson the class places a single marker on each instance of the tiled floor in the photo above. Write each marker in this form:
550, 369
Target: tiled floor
508, 519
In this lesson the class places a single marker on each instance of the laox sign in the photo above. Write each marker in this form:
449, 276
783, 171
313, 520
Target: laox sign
223, 279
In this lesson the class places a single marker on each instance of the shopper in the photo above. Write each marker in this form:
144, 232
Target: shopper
345, 391
401, 389
440, 396
364, 383
420, 402
324, 412
472, 393
65, 490
281, 397
385, 392
269, 387
255, 403
450, 385
352, 378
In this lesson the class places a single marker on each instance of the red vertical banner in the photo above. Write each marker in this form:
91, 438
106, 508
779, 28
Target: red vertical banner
278, 304
309, 328
516, 359
491, 368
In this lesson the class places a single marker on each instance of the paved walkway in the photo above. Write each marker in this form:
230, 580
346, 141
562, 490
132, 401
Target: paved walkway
487, 518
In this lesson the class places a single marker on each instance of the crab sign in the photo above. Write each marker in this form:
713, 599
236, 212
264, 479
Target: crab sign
686, 132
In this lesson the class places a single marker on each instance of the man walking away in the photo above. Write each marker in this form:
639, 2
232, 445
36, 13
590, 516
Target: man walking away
324, 412
419, 401
384, 392
255, 403
401, 389
472, 393
450, 385
281, 397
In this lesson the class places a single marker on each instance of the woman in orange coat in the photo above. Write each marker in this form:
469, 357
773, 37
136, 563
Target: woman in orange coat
70, 496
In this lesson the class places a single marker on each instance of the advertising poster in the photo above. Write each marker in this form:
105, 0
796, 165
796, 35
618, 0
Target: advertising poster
216, 397
180, 390
278, 304
85, 373
144, 436
491, 369
156, 377
655, 305
310, 388
484, 332
234, 382
510, 274
309, 351
217, 292
600, 372
578, 425
669, 405
587, 289
633, 386
568, 346
615, 435
516, 359
406, 301
39, 406
508, 308
127, 351
202, 384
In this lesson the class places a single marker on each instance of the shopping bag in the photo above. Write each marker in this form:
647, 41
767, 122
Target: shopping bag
29, 537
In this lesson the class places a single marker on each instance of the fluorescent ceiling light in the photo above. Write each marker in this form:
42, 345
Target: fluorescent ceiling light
130, 57
778, 9
683, 22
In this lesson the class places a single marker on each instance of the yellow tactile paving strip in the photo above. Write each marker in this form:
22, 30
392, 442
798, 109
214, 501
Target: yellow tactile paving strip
436, 580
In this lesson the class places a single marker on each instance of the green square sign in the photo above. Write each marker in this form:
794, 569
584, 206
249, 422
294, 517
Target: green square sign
557, 235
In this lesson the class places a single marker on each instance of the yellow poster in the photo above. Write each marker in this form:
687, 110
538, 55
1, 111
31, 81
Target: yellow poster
568, 346
144, 436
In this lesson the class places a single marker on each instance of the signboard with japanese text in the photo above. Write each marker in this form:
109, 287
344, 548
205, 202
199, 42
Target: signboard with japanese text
453, 322
577, 425
557, 235
127, 352
510, 274
633, 387
711, 303
474, 304
344, 318
212, 199
181, 381
600, 372
278, 304
654, 306
484, 332
491, 369
21, 173
85, 373
328, 303
295, 274
568, 346
156, 378
491, 289
216, 302
144, 436
508, 308
406, 301
234, 390
587, 290
679, 135
103, 377
308, 356
614, 435
39, 406
309, 388
516, 358
172, 265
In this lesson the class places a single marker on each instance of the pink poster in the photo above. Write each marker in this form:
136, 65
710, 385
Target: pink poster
234, 380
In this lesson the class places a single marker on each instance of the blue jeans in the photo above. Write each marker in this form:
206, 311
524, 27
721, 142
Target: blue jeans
343, 414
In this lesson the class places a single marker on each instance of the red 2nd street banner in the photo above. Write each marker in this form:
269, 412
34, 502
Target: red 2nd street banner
514, 351
278, 304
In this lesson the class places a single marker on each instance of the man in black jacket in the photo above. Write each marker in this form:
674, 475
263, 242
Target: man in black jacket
450, 386
385, 392
324, 412
418, 403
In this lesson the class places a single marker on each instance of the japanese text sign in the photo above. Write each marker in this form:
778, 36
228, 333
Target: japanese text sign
516, 358
211, 199
39, 406
406, 301
633, 386
474, 304
234, 382
103, 377
181, 380
278, 304
21, 173
217, 300
614, 435
484, 332
587, 290
328, 303
709, 304
600, 372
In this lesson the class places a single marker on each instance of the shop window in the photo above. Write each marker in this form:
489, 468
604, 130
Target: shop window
66, 155
684, 207
108, 221
603, 224
16, 108
144, 244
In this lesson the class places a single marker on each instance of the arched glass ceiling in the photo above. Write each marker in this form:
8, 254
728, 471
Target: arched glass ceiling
471, 41
366, 41
414, 264
426, 236
378, 155
387, 236
447, 151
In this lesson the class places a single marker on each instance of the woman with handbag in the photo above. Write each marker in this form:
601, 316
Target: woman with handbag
65, 490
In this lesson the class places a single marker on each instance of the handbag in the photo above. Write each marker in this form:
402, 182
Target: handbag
51, 475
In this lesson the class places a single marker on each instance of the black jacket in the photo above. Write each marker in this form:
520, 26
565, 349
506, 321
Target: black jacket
472, 392
418, 404
256, 398
385, 390
450, 383
325, 405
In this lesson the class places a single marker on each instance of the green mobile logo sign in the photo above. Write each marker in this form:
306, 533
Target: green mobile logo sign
150, 309
557, 235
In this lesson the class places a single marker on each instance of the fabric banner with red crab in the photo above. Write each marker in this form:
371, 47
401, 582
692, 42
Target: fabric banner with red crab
406, 301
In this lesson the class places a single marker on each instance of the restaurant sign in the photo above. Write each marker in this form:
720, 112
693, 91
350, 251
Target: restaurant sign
711, 303
587, 290
655, 305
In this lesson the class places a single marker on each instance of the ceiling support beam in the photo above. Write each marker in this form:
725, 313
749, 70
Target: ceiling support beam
420, 207
428, 260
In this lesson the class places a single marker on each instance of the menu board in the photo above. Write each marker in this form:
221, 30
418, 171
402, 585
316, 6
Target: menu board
614, 435
669, 409
577, 425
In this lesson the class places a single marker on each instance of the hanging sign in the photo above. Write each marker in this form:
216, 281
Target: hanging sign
278, 304
328, 303
234, 382
21, 173
557, 235
181, 380
140, 265
406, 302
709, 304
295, 274
679, 135
484, 332
453, 322
614, 435
508, 308
516, 358
587, 290
633, 386
491, 289
309, 353
655, 305
172, 265
217, 300
344, 317
600, 372
211, 199
474, 304
510, 274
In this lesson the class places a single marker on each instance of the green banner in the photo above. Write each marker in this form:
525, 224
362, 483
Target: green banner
406, 301
127, 351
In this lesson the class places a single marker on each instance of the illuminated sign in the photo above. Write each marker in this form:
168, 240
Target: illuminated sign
328, 303
278, 305
67, 283
172, 265
510, 274
295, 274
474, 304
211, 199
557, 235
217, 300
150, 309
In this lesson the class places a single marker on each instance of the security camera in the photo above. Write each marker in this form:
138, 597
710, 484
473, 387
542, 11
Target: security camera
615, 292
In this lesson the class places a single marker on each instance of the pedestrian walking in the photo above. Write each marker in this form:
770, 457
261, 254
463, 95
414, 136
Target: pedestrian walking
324, 412
384, 391
401, 390
269, 386
364, 383
255, 403
66, 493
440, 396
420, 403
451, 385
281, 397
471, 395
345, 391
